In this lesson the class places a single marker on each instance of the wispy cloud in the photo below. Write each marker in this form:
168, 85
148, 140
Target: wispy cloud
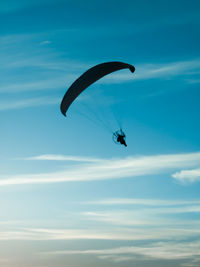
153, 71
53, 157
103, 233
46, 42
75, 234
157, 250
187, 176
162, 238
67, 70
146, 202
144, 212
144, 216
25, 103
45, 84
109, 169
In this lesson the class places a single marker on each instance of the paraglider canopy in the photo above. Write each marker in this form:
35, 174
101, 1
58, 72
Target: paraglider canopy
89, 77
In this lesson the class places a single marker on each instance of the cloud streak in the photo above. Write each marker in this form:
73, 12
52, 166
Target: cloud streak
29, 102
152, 251
53, 157
65, 72
109, 169
103, 233
153, 71
145, 217
146, 202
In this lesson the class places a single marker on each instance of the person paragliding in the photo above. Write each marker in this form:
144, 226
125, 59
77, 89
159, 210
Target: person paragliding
88, 78
119, 137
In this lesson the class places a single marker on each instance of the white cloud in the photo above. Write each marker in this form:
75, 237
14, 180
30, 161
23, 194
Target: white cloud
45, 84
75, 234
117, 258
119, 217
31, 102
157, 250
103, 233
153, 71
54, 157
109, 169
161, 238
143, 216
68, 70
144, 212
187, 176
146, 202
46, 42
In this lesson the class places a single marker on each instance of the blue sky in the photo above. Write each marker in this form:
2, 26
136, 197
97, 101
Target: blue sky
68, 195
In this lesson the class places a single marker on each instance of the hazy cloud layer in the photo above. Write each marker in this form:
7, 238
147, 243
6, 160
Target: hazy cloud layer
148, 233
158, 250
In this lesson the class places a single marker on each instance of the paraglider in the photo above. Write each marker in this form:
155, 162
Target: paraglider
88, 78
119, 137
